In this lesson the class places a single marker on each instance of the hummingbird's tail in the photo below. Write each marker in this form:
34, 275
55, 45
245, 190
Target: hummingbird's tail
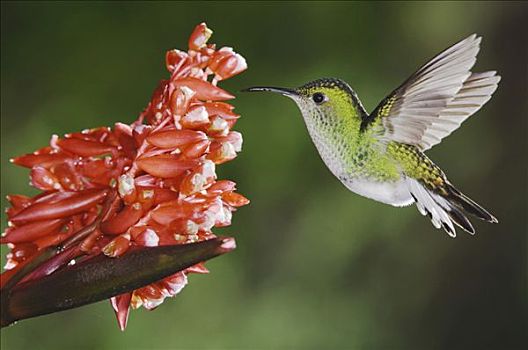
467, 204
447, 206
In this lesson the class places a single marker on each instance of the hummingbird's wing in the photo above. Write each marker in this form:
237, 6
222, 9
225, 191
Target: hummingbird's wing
436, 99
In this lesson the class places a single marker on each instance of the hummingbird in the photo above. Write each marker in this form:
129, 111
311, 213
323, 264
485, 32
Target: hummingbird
381, 155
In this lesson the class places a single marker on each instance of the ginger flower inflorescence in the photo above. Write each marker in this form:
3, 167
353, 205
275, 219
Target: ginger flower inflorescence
146, 184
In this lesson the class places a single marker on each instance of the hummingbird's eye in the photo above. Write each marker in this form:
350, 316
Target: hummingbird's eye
319, 98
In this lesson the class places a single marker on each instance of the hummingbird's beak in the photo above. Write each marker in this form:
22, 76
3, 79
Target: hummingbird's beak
282, 91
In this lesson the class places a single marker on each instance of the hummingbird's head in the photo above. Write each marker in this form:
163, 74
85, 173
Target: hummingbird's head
324, 99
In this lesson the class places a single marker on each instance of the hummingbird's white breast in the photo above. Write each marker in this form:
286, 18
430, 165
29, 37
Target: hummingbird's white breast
335, 152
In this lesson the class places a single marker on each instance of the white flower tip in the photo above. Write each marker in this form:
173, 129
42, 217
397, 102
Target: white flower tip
228, 150
228, 244
187, 92
151, 238
209, 169
126, 185
197, 115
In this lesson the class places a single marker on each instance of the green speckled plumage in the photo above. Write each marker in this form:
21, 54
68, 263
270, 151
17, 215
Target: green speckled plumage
416, 165
358, 151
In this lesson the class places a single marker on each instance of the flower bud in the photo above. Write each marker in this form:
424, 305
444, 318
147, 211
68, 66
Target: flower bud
199, 37
174, 59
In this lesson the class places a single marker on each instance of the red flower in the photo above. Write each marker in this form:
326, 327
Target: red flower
141, 185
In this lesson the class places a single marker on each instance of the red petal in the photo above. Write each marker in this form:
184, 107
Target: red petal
66, 207
180, 99
118, 246
50, 240
199, 37
44, 160
228, 67
231, 123
127, 217
231, 64
126, 188
121, 306
218, 57
126, 140
23, 251
120, 128
68, 176
163, 195
95, 168
174, 283
43, 179
222, 186
97, 135
196, 117
140, 132
234, 199
147, 238
221, 109
146, 180
30, 232
170, 211
174, 182
234, 138
218, 127
174, 59
204, 90
18, 202
184, 227
52, 197
198, 268
157, 102
89, 242
223, 152
197, 150
147, 199
84, 148
165, 165
151, 296
175, 138
166, 213
199, 179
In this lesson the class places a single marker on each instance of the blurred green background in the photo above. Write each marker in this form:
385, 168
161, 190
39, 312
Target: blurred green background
316, 266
